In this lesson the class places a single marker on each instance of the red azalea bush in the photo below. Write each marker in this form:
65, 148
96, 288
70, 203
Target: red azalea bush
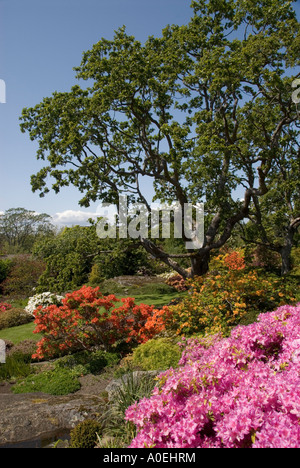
4, 306
87, 318
237, 392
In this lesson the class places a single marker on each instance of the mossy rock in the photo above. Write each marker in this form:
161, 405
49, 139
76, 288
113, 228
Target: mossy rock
54, 382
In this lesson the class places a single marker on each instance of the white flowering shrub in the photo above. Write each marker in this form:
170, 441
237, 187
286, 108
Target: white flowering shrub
45, 299
167, 275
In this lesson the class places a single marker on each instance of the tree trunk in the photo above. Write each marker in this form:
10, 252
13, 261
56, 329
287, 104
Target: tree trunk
199, 265
285, 252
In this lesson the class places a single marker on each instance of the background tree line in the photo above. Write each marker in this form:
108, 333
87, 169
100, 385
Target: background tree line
37, 254
55, 260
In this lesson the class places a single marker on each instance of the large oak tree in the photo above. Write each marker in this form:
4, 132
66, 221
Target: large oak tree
203, 111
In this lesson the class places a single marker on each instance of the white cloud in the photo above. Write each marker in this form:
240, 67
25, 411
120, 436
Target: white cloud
71, 217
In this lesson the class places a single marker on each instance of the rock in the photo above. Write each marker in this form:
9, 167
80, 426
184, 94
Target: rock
30, 416
35, 417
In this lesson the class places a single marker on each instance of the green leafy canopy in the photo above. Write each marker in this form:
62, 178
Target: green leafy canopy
201, 111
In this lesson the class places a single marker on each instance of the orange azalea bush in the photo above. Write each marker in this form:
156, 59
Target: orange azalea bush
230, 260
234, 260
177, 282
87, 318
224, 297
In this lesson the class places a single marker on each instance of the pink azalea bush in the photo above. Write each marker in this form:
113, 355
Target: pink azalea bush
236, 392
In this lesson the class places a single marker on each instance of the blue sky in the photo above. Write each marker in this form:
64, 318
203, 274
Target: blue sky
40, 43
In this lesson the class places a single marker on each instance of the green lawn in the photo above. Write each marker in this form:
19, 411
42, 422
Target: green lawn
17, 334
157, 300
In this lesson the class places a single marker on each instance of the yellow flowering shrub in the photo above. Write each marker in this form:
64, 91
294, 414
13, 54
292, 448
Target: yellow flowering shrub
228, 295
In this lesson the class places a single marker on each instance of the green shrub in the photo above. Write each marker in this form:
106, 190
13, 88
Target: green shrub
95, 276
54, 382
15, 366
228, 295
24, 350
84, 435
5, 266
23, 276
88, 362
14, 317
296, 261
133, 388
156, 354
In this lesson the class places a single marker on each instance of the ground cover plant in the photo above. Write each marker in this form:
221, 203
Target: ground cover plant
57, 381
89, 362
237, 392
16, 366
62, 377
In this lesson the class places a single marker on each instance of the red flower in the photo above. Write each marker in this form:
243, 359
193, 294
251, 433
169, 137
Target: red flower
87, 318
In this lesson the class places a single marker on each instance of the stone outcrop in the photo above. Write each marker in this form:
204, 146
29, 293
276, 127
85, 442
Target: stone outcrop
36, 415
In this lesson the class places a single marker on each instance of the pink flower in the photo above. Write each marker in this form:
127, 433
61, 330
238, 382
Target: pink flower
242, 391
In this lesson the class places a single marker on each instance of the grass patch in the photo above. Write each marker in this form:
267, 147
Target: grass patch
134, 285
150, 291
159, 300
17, 334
